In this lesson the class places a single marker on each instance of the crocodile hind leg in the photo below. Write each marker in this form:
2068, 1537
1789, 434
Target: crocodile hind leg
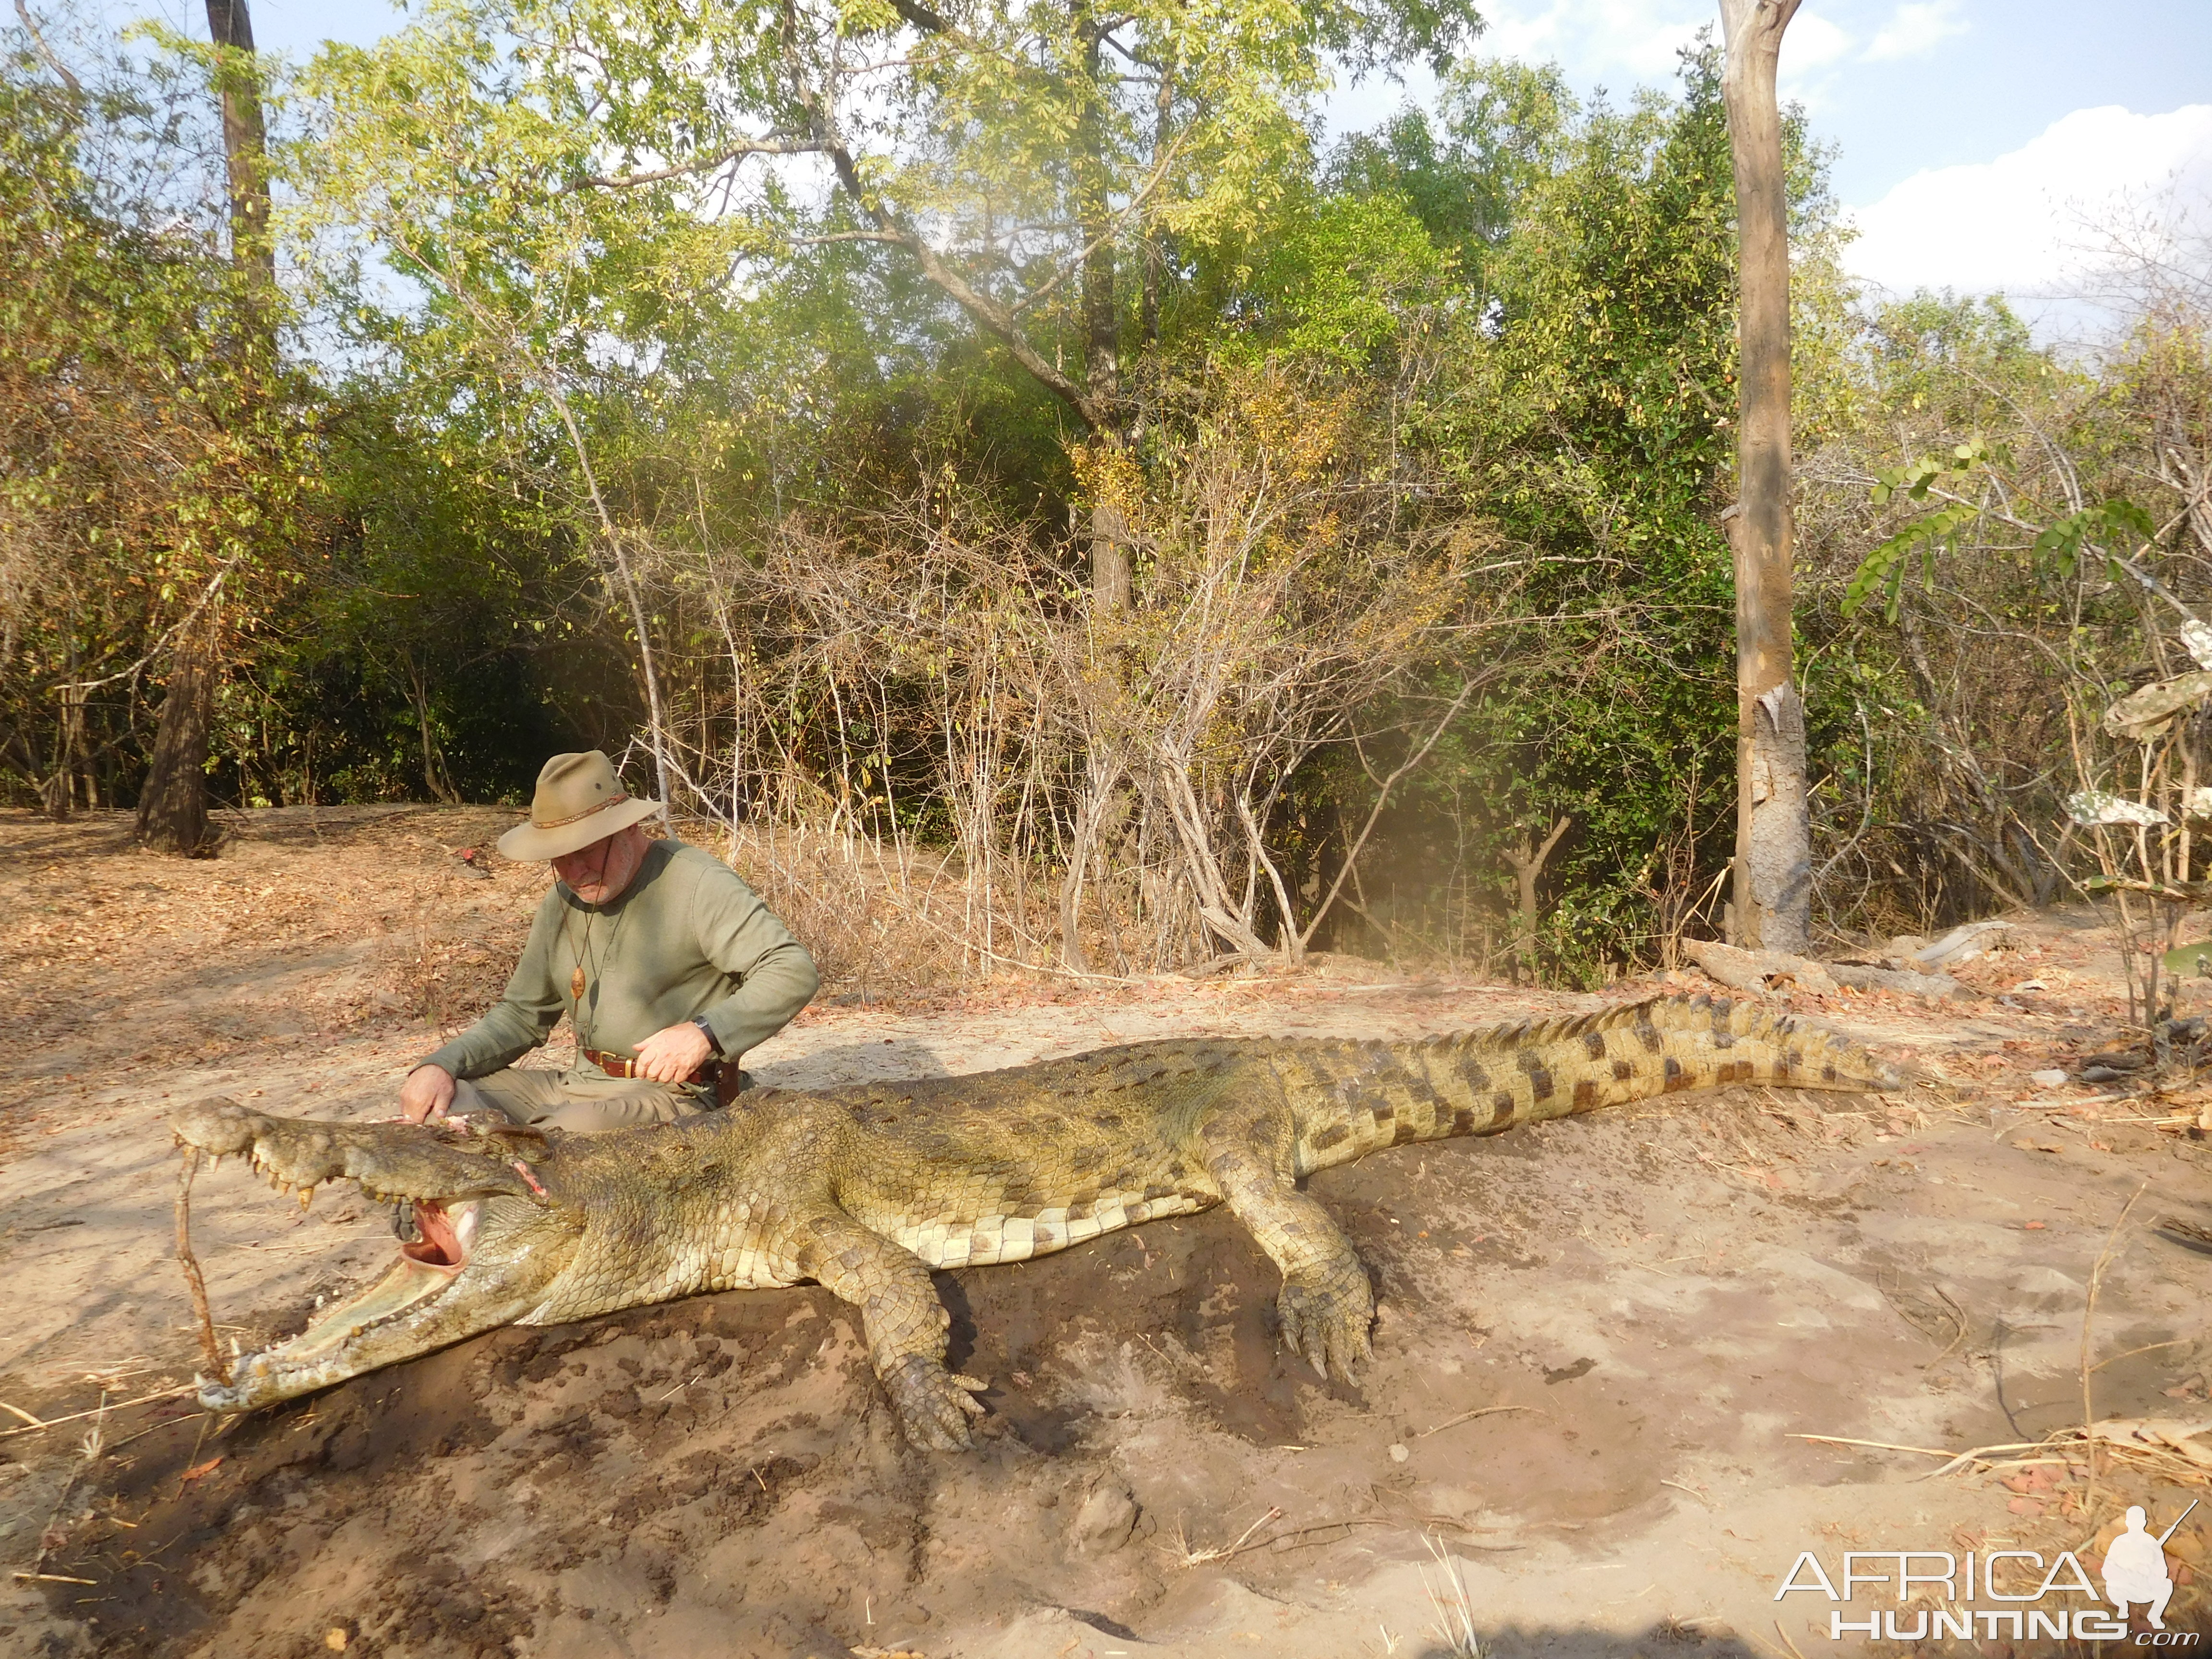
1326, 1305
904, 1323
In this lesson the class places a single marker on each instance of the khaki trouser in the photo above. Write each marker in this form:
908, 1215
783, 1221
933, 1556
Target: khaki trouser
583, 1103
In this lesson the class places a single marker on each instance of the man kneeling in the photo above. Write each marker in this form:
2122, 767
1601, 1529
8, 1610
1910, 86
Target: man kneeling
668, 966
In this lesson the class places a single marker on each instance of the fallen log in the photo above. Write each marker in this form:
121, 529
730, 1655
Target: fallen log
1772, 970
1759, 971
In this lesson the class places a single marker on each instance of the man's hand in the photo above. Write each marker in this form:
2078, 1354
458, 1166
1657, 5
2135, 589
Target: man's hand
427, 1093
672, 1055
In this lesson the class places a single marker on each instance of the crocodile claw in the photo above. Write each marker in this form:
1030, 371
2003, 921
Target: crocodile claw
1326, 1324
933, 1404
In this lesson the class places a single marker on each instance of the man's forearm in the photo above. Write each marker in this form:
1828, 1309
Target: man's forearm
780, 985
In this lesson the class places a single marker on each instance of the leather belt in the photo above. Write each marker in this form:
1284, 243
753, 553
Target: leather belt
617, 1066
718, 1078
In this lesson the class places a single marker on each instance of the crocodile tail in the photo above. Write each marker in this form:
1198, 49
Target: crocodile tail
1481, 1082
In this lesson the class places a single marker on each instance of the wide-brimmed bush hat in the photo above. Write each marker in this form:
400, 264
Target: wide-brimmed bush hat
579, 800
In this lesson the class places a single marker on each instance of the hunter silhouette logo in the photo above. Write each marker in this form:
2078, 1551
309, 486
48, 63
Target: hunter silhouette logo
2135, 1567
2133, 1570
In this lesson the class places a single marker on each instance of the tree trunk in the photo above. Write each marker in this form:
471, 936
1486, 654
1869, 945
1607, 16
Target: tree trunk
59, 794
1102, 341
1527, 863
245, 138
1155, 254
1773, 862
435, 777
172, 805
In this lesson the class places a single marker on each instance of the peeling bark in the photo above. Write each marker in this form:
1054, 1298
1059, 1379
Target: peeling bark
1773, 863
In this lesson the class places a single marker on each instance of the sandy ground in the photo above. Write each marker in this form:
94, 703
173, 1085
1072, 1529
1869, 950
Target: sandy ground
1602, 1341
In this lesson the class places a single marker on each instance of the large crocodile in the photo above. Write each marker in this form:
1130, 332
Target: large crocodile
865, 1189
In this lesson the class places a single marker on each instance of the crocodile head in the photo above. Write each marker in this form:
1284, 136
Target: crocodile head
494, 1235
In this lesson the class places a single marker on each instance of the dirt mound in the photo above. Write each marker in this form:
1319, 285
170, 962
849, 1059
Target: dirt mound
731, 1454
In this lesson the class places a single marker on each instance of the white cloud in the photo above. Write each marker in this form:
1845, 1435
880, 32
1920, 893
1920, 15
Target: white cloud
1623, 42
2029, 222
1812, 42
1916, 27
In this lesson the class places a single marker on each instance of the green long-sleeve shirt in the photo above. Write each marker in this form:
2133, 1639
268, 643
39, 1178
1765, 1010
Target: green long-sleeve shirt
686, 940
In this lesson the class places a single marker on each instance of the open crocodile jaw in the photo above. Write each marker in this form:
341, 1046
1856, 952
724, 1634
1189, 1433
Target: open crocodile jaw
429, 1299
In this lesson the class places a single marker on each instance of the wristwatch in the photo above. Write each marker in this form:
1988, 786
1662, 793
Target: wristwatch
708, 1031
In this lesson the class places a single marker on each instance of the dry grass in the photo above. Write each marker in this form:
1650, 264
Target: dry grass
1186, 1555
1449, 1600
879, 916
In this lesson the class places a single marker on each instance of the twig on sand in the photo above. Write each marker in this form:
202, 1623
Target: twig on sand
1469, 1417
1786, 1642
1877, 1445
1953, 1461
2167, 1447
190, 1263
119, 1406
1985, 1456
35, 1422
2148, 1347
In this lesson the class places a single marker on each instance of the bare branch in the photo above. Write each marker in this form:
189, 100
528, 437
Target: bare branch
771, 146
46, 53
996, 319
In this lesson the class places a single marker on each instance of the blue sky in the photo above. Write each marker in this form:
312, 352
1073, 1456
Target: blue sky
1979, 143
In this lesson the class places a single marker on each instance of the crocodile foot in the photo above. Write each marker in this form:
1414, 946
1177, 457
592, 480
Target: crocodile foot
933, 1404
1326, 1321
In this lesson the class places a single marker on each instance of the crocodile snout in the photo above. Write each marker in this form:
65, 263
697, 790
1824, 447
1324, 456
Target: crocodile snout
220, 1126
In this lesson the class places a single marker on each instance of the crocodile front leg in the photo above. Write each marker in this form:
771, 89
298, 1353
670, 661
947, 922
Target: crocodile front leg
904, 1323
1326, 1305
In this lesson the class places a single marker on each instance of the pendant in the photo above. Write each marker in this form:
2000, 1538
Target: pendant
576, 983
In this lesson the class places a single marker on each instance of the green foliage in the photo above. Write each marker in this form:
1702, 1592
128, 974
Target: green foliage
1465, 173
1590, 419
802, 350
1336, 286
1884, 568
156, 467
2031, 553
2060, 546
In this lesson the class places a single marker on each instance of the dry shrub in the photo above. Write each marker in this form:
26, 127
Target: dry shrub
930, 748
877, 915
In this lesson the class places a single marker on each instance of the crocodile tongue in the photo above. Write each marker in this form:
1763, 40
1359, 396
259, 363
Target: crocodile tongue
442, 1238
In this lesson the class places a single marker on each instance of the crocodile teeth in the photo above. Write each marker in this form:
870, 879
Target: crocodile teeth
306, 1196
